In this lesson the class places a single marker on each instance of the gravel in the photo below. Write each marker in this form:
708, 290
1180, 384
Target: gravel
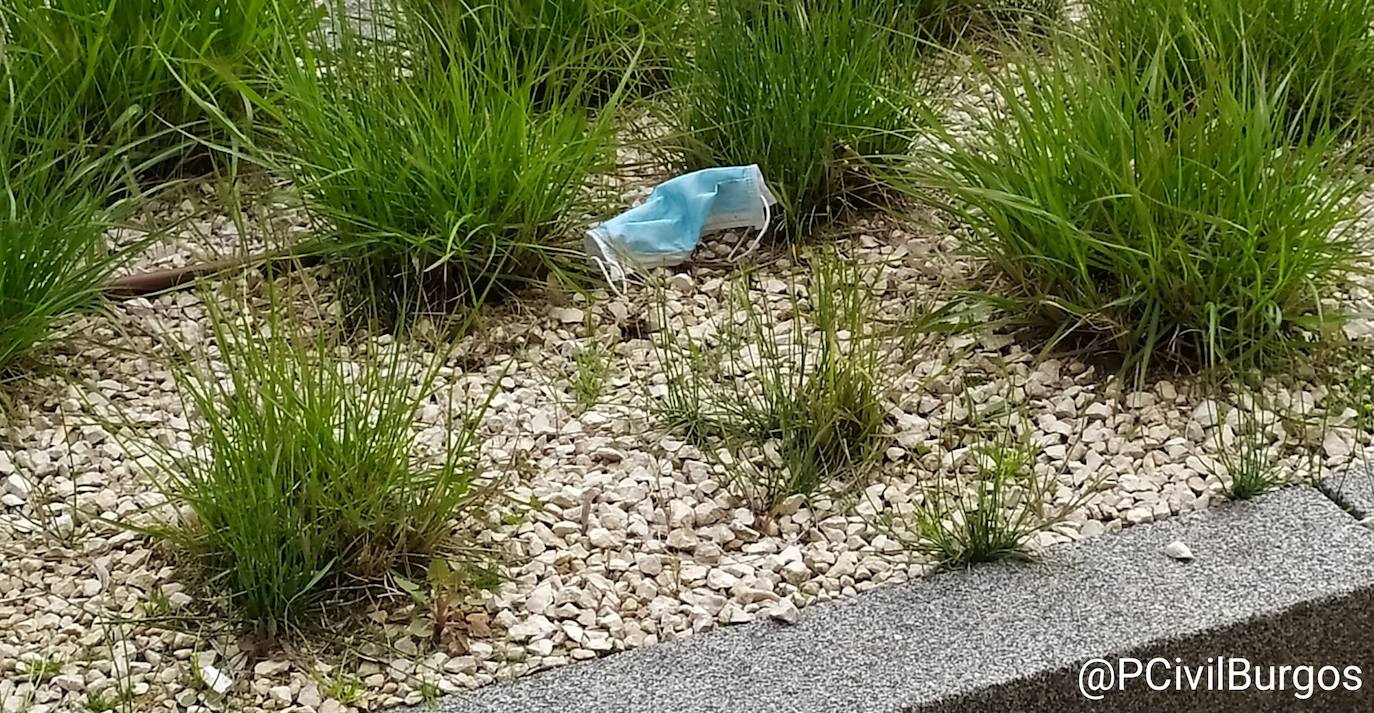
637, 542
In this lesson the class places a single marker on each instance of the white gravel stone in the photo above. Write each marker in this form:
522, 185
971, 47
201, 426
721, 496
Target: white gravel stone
1140, 515
69, 682
784, 611
569, 315
18, 486
649, 565
271, 668
540, 601
602, 538
682, 539
533, 627
1207, 414
217, 681
1179, 551
310, 697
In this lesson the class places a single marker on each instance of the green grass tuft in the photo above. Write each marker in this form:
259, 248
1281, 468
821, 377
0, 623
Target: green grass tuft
53, 253
983, 524
1263, 443
41, 670
1322, 49
1191, 227
947, 22
109, 701
802, 89
311, 474
448, 166
593, 46
1249, 463
156, 77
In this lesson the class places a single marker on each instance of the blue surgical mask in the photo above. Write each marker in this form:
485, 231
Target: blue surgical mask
667, 227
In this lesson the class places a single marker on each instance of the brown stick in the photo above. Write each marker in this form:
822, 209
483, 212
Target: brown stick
147, 283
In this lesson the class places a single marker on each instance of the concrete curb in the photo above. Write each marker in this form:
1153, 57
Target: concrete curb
1352, 490
1286, 579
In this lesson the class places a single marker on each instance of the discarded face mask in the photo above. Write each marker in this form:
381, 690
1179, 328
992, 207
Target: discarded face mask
667, 227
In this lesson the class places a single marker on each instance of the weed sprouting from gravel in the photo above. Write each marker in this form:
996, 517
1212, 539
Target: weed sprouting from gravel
1249, 463
108, 701
992, 502
591, 369
789, 391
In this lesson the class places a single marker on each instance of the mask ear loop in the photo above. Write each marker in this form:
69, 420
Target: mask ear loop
605, 265
620, 289
754, 244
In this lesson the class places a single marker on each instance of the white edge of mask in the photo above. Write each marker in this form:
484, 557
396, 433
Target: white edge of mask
756, 218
